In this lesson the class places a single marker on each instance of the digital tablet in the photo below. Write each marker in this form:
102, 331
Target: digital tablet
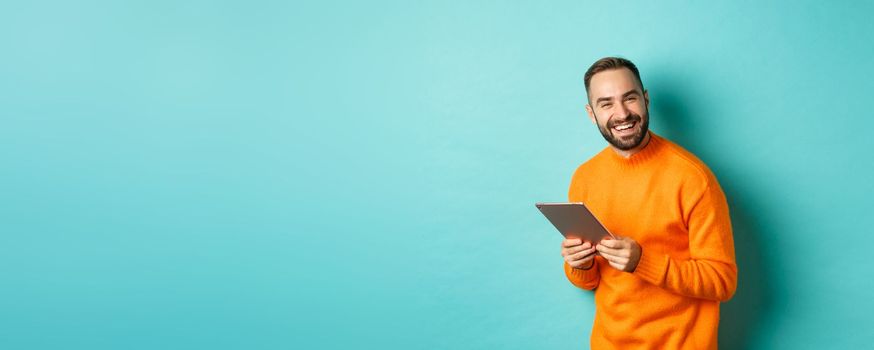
574, 220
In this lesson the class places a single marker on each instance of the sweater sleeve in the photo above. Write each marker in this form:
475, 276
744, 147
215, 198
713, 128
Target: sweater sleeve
710, 272
585, 279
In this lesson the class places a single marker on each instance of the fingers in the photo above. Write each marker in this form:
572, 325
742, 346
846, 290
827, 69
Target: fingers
618, 263
617, 252
581, 254
621, 253
576, 253
581, 259
575, 249
613, 243
616, 258
570, 242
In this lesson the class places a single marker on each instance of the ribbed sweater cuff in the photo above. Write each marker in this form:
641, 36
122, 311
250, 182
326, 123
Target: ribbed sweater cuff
580, 274
652, 268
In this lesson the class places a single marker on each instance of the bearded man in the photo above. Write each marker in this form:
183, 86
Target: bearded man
659, 284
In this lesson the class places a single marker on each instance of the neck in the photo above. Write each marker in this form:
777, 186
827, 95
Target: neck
633, 151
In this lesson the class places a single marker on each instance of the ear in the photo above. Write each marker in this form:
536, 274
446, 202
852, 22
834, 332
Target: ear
591, 113
646, 97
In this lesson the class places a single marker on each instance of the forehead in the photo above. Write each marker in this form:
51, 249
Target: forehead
612, 83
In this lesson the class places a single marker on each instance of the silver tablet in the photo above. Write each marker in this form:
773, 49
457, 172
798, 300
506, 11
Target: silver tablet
574, 220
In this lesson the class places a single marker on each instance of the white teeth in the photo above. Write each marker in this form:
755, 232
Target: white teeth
624, 126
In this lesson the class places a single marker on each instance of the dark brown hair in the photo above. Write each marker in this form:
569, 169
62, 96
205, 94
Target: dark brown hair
608, 63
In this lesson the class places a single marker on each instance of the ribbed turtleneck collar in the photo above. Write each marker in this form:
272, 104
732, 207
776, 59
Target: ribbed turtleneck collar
652, 148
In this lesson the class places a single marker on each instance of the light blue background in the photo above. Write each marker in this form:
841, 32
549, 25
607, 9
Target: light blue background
277, 175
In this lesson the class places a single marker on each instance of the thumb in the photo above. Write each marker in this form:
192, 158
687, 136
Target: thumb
629, 241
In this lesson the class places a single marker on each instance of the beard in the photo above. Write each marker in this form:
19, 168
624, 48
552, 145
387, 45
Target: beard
627, 142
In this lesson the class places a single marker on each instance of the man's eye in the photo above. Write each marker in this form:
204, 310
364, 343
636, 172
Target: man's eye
607, 105
632, 99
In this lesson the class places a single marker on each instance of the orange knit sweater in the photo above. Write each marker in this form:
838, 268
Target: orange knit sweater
668, 201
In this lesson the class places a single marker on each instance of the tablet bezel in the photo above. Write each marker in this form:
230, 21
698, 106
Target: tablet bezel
575, 220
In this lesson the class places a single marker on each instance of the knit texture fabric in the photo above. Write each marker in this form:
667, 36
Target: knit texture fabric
668, 201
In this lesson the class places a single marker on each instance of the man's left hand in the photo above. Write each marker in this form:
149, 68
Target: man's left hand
622, 253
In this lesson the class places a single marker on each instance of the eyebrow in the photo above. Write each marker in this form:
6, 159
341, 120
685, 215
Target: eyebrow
629, 92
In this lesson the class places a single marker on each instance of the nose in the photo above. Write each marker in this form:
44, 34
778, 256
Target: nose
621, 111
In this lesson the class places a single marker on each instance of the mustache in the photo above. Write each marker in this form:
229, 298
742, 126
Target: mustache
629, 118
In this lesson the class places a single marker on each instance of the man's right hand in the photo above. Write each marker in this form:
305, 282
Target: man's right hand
578, 254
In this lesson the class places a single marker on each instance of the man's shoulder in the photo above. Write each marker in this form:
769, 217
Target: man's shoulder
673, 159
682, 161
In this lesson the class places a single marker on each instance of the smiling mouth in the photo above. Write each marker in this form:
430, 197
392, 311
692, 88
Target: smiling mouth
624, 127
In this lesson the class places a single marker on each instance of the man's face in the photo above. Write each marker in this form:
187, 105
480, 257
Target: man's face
619, 107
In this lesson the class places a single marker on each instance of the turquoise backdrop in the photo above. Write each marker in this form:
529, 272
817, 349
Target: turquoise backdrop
342, 174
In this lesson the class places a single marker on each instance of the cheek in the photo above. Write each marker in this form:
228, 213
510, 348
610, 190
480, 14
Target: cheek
641, 109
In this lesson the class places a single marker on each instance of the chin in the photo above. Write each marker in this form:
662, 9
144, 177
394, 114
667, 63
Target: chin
630, 142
